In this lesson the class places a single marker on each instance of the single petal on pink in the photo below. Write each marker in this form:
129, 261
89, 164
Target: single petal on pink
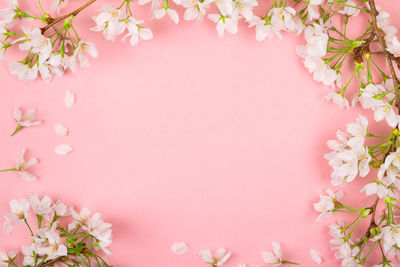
179, 248
69, 99
316, 256
63, 149
61, 129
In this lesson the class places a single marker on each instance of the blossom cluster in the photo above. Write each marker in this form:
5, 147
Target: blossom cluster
46, 54
63, 235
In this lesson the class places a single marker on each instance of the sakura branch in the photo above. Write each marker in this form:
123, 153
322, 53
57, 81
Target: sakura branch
25, 120
82, 242
22, 168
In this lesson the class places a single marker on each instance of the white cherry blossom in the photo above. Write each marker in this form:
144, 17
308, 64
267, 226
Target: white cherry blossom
326, 203
224, 23
26, 119
274, 258
161, 12
221, 255
110, 21
42, 206
136, 32
19, 213
24, 72
23, 167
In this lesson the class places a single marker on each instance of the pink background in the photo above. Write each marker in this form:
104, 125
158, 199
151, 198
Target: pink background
217, 142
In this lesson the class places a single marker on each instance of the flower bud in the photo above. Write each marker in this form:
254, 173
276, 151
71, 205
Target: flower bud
375, 231
388, 200
359, 65
67, 21
376, 164
365, 213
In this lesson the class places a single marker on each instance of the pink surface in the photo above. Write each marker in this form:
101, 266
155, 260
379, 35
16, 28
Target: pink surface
217, 142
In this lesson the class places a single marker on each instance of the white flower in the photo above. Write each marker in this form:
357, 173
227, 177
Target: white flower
30, 254
54, 249
100, 230
393, 159
61, 129
23, 71
340, 144
3, 35
25, 120
10, 14
79, 218
57, 5
263, 29
60, 209
63, 149
41, 207
195, 9
391, 236
160, 13
317, 40
179, 248
154, 3
358, 131
274, 258
316, 256
136, 32
6, 258
338, 98
350, 9
368, 96
23, 166
393, 44
19, 213
110, 22
376, 188
326, 203
321, 71
348, 163
224, 23
221, 255
244, 8
80, 52
285, 18
385, 111
225, 7
36, 43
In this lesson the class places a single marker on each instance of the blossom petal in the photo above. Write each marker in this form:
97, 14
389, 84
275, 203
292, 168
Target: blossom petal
179, 248
61, 129
69, 99
206, 256
316, 256
63, 149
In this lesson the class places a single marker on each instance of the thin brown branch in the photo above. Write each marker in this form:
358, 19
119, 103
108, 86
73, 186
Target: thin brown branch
52, 262
383, 45
73, 13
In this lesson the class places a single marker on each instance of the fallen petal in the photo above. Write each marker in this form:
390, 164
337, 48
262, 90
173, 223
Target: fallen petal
69, 99
179, 248
63, 149
316, 256
61, 129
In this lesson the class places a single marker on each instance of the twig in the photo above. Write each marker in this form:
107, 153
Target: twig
73, 13
382, 43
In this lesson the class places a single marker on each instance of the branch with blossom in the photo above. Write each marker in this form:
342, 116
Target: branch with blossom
82, 242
